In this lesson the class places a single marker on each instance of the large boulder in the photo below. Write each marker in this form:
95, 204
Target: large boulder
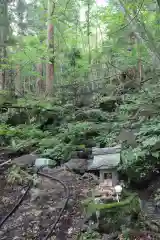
18, 117
77, 165
127, 136
25, 160
109, 104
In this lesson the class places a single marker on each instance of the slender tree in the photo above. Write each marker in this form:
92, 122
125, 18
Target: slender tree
50, 45
88, 31
4, 32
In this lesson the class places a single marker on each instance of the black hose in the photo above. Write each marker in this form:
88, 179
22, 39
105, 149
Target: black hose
24, 195
65, 204
16, 206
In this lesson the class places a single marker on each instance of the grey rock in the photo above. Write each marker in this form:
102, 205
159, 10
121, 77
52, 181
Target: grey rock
25, 160
111, 236
40, 162
91, 176
77, 165
85, 228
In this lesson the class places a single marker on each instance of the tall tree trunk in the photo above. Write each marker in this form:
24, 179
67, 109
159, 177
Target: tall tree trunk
88, 32
3, 57
50, 44
40, 84
4, 30
1, 78
18, 82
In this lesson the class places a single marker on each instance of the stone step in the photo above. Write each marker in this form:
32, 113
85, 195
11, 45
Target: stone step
149, 208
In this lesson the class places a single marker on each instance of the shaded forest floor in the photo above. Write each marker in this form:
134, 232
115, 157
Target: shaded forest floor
63, 132
35, 216
42, 205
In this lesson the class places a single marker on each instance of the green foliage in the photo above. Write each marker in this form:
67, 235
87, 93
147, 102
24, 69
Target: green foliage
118, 38
60, 153
58, 142
48, 143
90, 235
106, 139
77, 133
17, 175
139, 163
7, 133
114, 215
60, 139
91, 115
130, 203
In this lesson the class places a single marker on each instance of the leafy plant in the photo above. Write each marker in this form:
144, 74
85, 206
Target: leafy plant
17, 175
60, 153
90, 235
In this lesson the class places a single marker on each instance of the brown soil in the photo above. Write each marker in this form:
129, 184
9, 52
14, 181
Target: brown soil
34, 217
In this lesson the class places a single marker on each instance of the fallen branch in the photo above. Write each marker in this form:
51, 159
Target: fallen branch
23, 107
6, 162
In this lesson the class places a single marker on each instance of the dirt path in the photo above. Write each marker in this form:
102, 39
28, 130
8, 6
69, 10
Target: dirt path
36, 214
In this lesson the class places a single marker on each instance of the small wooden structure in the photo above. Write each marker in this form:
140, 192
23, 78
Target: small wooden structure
106, 160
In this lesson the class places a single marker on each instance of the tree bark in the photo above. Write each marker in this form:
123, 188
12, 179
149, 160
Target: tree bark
4, 31
158, 2
40, 84
3, 56
18, 82
50, 45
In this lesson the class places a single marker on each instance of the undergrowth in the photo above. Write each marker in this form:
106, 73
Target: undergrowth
59, 131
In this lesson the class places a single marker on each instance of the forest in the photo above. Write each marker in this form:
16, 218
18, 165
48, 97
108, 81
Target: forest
76, 75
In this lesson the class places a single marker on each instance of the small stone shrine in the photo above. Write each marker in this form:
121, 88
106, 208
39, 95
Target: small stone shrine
106, 160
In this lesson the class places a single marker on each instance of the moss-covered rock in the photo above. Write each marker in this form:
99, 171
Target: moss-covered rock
77, 165
18, 117
114, 215
93, 115
109, 104
7, 98
50, 117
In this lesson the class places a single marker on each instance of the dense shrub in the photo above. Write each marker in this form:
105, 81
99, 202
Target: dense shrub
93, 115
59, 132
60, 152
